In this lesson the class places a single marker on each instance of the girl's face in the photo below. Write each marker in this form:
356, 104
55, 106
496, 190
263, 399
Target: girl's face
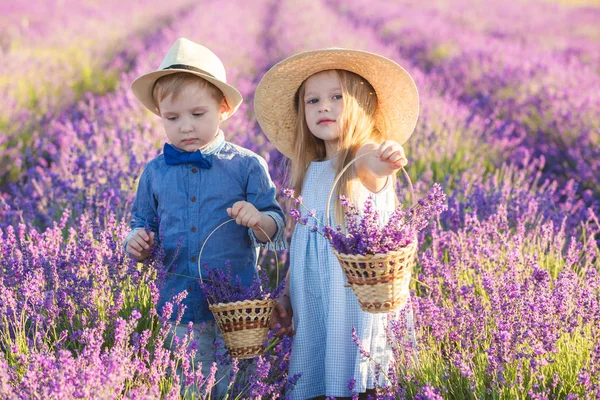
192, 119
323, 106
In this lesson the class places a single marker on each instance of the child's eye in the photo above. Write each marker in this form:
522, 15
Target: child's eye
312, 101
337, 96
172, 118
198, 114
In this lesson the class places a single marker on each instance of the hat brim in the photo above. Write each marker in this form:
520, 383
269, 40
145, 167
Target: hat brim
397, 95
142, 88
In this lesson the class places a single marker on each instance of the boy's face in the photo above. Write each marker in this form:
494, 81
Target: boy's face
192, 119
323, 105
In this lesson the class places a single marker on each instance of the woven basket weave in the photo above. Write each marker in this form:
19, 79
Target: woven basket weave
379, 281
244, 324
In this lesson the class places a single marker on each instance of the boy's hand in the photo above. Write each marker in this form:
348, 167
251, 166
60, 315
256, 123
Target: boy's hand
245, 214
392, 153
282, 317
140, 244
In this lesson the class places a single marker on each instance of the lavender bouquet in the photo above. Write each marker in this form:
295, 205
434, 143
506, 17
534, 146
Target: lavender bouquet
377, 259
363, 234
220, 286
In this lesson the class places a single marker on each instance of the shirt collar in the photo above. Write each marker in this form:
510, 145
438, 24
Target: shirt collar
214, 144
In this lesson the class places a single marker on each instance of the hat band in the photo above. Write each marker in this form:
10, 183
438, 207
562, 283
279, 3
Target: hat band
189, 68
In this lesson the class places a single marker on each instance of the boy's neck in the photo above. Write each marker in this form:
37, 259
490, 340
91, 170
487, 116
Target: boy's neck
214, 142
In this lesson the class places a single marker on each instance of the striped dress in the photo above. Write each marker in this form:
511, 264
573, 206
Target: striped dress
325, 310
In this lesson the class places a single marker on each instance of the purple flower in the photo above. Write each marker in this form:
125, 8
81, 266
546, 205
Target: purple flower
135, 313
429, 392
288, 193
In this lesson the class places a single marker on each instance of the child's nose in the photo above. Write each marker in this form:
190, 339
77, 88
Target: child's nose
324, 107
187, 127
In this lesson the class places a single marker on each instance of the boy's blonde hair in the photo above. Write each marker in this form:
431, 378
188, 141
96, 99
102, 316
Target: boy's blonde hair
173, 84
357, 127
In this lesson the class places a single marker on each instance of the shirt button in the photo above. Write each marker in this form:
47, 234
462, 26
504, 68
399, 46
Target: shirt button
193, 259
194, 170
193, 229
194, 198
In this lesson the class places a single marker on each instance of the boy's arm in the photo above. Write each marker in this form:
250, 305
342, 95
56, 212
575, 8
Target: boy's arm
144, 213
260, 192
268, 227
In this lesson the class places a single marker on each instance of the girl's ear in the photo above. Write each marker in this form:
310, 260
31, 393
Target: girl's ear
224, 110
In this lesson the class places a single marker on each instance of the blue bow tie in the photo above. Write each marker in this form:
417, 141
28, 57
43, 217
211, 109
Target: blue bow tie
175, 157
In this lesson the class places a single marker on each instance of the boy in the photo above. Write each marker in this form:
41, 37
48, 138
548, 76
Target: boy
199, 182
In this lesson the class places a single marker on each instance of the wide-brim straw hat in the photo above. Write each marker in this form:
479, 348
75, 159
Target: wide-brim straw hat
397, 95
187, 56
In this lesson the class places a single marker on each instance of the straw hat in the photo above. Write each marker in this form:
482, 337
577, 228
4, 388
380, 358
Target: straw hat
274, 100
190, 57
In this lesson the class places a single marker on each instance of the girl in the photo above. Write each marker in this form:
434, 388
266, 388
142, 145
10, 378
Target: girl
322, 109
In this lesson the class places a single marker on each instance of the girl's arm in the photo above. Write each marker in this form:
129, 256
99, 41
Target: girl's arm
283, 313
384, 160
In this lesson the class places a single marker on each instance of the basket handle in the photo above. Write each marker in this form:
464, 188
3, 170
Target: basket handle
214, 230
339, 176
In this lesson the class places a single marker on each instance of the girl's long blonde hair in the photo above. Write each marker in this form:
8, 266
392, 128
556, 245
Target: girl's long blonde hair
357, 127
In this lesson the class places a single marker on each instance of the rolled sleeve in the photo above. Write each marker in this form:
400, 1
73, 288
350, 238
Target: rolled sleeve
278, 241
260, 192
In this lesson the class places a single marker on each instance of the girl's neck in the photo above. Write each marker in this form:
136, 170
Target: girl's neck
331, 149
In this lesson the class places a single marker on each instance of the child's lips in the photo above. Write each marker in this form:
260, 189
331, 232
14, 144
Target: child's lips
187, 141
325, 121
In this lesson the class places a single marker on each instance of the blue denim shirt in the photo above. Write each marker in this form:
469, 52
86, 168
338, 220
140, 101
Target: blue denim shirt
184, 204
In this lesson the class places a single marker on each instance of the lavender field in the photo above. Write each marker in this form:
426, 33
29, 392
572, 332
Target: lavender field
506, 292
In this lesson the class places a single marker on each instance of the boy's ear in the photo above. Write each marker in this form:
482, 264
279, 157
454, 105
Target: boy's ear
224, 110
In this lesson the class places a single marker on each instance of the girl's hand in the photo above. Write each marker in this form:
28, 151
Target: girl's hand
140, 244
383, 161
392, 153
282, 317
245, 214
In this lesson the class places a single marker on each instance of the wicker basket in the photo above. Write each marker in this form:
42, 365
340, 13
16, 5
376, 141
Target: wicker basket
244, 324
379, 281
